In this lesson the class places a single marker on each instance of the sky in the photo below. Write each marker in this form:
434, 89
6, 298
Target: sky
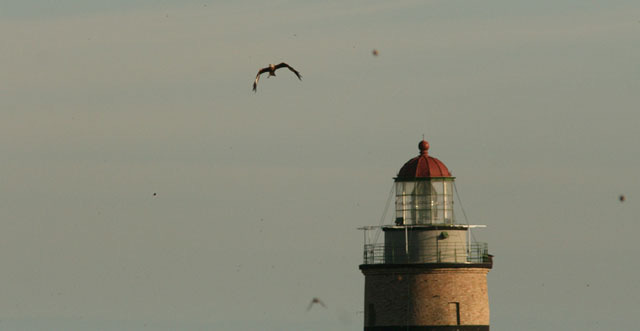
533, 106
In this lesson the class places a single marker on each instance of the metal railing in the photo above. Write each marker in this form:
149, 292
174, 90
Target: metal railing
437, 253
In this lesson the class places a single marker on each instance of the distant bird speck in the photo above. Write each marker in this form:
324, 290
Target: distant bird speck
154, 194
271, 69
622, 198
375, 52
314, 301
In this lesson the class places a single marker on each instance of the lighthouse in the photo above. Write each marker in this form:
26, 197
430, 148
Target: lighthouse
427, 274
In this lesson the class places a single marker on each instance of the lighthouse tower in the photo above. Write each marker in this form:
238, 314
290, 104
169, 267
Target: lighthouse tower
427, 274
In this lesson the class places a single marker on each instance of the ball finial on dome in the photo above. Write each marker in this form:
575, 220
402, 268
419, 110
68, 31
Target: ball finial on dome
424, 147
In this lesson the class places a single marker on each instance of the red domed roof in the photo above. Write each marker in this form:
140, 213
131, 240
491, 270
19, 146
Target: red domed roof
423, 166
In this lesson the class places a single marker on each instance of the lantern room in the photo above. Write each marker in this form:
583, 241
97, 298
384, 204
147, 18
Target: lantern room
424, 191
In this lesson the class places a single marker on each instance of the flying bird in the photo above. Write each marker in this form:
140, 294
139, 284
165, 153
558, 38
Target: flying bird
375, 52
622, 198
314, 301
271, 69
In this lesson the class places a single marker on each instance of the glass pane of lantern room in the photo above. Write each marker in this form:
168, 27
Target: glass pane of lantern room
403, 201
399, 208
437, 196
421, 203
422, 188
448, 202
407, 187
437, 188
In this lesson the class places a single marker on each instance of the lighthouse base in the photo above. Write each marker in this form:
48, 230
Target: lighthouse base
429, 328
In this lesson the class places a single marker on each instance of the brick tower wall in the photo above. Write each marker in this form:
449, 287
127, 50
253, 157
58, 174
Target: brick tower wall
420, 297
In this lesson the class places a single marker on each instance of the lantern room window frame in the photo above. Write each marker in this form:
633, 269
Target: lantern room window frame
424, 201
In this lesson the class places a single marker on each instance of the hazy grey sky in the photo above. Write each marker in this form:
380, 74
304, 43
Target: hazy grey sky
532, 105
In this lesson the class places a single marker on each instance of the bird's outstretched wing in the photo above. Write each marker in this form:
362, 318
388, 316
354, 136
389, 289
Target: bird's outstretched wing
260, 72
316, 300
284, 65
